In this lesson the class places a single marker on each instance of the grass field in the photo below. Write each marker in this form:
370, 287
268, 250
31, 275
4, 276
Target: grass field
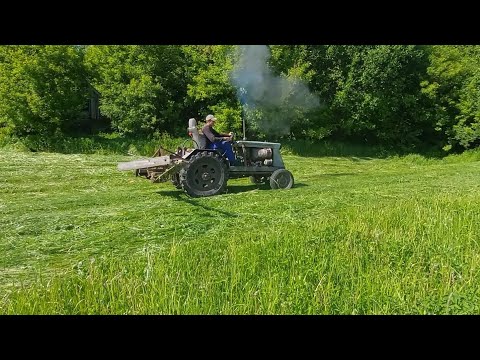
356, 235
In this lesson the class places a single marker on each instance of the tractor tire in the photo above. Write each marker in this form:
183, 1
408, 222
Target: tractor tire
175, 179
281, 179
205, 174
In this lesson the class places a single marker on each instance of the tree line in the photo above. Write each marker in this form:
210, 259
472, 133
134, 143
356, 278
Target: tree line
397, 95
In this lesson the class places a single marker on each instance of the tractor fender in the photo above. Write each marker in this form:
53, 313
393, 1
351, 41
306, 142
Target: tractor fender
196, 151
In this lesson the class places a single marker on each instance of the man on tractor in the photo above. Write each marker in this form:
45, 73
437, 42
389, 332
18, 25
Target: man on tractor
216, 140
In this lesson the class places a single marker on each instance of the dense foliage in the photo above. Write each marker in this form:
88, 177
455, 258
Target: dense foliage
404, 96
43, 89
142, 87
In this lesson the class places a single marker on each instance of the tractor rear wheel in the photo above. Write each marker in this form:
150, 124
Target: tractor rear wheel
281, 179
205, 174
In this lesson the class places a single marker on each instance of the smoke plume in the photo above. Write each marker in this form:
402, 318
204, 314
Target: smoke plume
270, 103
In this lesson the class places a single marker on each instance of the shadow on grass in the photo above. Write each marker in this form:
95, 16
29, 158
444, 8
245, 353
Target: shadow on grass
100, 144
231, 189
113, 143
181, 196
235, 189
340, 174
358, 159
355, 151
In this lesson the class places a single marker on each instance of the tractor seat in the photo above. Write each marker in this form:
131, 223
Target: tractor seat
200, 140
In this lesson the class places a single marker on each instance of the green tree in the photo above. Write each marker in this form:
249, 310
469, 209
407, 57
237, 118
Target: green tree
368, 92
299, 63
382, 96
142, 87
210, 89
453, 86
43, 88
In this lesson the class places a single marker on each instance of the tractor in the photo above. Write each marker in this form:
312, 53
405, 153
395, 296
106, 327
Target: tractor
204, 172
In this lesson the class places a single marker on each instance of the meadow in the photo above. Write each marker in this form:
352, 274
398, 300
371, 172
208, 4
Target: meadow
357, 234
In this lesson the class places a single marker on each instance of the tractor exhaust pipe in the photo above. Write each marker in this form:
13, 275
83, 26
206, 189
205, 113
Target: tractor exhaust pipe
243, 120
243, 102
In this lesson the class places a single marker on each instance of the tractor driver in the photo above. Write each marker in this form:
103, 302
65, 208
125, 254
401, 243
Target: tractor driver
219, 141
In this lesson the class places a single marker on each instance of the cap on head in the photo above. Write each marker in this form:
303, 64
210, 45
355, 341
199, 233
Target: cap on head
210, 117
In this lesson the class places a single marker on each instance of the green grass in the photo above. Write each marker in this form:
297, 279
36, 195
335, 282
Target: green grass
356, 235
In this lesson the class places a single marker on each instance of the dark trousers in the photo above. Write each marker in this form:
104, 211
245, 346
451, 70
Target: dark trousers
225, 148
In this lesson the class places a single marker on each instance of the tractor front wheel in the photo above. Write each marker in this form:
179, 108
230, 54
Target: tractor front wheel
281, 179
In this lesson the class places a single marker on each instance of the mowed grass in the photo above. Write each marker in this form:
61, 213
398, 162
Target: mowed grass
399, 235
